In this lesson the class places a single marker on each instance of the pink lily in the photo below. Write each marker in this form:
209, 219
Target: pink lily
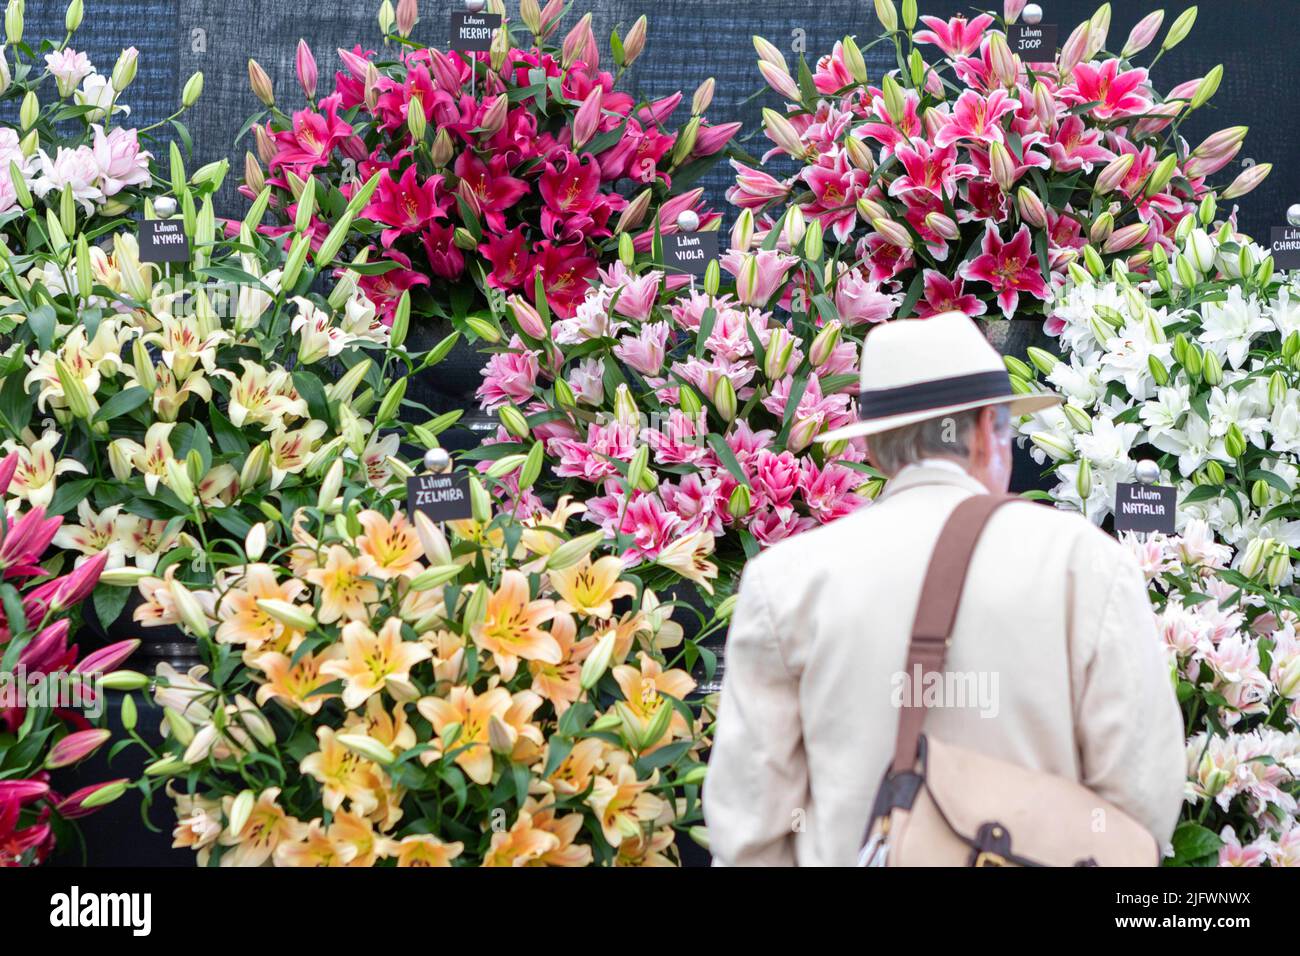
956, 37
1116, 94
1010, 268
930, 170
406, 205
978, 118
1074, 146
9, 464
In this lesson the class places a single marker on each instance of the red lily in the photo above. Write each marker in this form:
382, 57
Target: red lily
492, 188
566, 271
1009, 267
20, 846
512, 262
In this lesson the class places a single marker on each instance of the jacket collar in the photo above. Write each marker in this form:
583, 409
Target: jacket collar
915, 476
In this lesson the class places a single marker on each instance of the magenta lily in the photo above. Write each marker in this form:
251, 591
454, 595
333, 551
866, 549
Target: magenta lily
947, 295
1009, 267
1116, 93
977, 117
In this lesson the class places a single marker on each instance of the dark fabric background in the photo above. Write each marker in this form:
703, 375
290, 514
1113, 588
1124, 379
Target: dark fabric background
689, 40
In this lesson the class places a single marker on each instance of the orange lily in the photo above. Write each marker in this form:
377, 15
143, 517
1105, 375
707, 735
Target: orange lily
473, 713
511, 628
344, 589
375, 662
425, 849
392, 547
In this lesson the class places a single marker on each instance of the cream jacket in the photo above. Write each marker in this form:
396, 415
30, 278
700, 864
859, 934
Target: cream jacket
1065, 672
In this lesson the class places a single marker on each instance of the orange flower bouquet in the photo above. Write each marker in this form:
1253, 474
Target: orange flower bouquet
380, 691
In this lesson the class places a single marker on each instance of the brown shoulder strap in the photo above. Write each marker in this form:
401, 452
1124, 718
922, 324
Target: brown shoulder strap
937, 610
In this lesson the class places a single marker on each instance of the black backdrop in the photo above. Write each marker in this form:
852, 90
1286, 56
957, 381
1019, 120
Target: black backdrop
689, 40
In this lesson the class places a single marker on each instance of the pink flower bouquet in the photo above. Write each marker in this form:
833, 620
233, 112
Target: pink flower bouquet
42, 683
494, 168
685, 418
970, 177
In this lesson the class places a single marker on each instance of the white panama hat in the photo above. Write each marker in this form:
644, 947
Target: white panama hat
916, 369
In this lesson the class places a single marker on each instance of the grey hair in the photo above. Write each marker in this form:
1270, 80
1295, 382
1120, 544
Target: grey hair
948, 436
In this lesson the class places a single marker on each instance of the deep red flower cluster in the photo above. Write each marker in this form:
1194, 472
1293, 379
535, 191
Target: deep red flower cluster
530, 168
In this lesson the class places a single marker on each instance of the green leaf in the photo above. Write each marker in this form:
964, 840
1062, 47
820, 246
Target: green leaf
1192, 841
43, 323
109, 602
121, 403
309, 387
727, 457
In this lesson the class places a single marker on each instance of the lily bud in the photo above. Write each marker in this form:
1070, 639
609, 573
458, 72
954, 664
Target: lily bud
1001, 59
1256, 554
738, 505
178, 480
893, 232
480, 501
257, 468
1056, 448
597, 662
416, 122
887, 15
742, 233
1044, 105
1212, 369
1200, 251
1141, 36
436, 576
625, 410
769, 53
1077, 417
189, 610
363, 745
724, 399
637, 466
824, 344
295, 616
1126, 237
1276, 389
305, 66
29, 111
192, 90
1207, 88
635, 213
14, 21
1159, 374
1083, 480
574, 550
1113, 174
260, 83
1259, 494
780, 81
1098, 29
1074, 50
689, 402
859, 154
74, 391
1247, 181
634, 45
780, 349
124, 69
943, 226
782, 132
1234, 441
407, 15
1031, 208
1101, 228
854, 60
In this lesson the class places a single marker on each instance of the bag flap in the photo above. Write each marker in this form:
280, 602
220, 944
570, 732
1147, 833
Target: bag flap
1050, 820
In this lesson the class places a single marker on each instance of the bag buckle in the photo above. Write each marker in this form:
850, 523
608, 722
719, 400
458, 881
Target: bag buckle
986, 858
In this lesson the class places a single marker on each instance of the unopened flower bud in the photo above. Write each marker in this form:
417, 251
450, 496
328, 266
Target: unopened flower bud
738, 505
260, 83
724, 399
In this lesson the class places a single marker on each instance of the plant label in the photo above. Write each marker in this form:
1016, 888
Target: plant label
1284, 243
473, 32
1036, 42
163, 240
1145, 507
689, 253
441, 497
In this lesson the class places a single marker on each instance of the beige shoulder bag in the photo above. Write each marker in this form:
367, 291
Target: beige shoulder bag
943, 805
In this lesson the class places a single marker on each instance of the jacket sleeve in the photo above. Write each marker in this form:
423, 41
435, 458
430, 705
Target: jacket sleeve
758, 775
1127, 718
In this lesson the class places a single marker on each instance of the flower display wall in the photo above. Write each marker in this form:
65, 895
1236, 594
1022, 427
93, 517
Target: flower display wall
684, 417
376, 693
501, 173
158, 409
969, 178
